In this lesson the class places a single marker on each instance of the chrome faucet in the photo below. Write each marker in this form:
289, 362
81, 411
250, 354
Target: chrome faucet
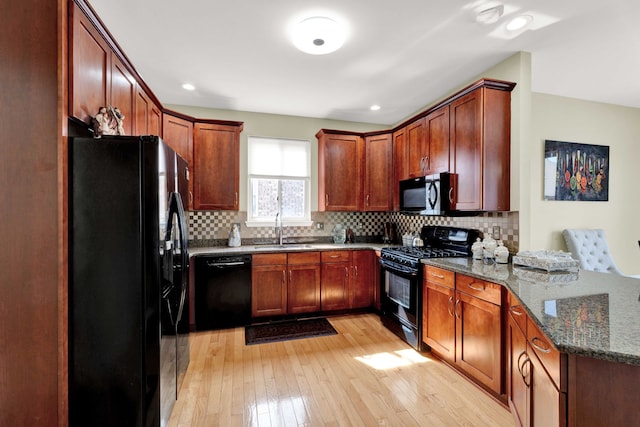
278, 230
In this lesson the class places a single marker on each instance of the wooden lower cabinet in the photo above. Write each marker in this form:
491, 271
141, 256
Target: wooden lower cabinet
303, 288
462, 324
347, 280
534, 397
284, 283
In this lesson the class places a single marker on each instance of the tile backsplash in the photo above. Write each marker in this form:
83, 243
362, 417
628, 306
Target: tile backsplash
211, 228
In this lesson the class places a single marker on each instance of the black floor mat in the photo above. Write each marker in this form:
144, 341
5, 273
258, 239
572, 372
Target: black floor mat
288, 330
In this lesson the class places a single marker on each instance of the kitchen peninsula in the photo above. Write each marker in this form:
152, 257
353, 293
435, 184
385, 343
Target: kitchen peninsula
591, 369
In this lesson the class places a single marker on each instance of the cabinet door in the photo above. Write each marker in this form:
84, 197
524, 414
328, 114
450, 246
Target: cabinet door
334, 293
122, 96
417, 150
141, 113
303, 290
518, 370
466, 154
155, 121
268, 290
400, 163
90, 67
548, 404
178, 134
378, 177
216, 167
437, 141
361, 292
340, 172
478, 335
438, 322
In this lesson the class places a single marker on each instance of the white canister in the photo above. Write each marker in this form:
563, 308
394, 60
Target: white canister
477, 248
489, 247
501, 253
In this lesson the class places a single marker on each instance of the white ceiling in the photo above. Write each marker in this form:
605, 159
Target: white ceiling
400, 54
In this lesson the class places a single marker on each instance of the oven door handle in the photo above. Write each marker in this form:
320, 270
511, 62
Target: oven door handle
397, 268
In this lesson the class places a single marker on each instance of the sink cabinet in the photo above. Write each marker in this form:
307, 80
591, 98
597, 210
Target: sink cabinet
285, 283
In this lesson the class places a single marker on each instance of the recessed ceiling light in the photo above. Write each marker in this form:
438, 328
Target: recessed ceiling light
188, 86
318, 35
374, 107
491, 15
519, 22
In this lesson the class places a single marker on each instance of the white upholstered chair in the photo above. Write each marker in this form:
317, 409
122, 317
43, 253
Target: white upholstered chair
589, 246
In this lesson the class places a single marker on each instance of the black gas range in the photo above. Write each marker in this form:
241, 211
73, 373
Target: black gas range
401, 296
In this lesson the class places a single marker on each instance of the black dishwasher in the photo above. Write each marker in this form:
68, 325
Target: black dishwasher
222, 291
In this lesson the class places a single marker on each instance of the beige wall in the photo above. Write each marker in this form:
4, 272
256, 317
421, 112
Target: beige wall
572, 120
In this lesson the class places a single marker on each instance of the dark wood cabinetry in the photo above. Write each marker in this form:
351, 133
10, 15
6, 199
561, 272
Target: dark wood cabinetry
437, 141
340, 168
400, 167
416, 148
346, 280
536, 386
378, 173
147, 117
462, 324
285, 283
216, 166
480, 149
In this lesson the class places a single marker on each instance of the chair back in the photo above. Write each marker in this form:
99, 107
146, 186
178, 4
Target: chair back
590, 247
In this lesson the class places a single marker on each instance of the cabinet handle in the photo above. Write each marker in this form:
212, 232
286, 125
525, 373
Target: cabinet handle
326, 200
284, 277
346, 273
455, 309
515, 310
545, 349
190, 198
367, 202
451, 195
437, 276
427, 164
236, 202
355, 270
525, 375
334, 256
449, 304
475, 288
520, 366
290, 276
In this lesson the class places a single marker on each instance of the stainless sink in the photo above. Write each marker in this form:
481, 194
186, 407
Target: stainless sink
284, 246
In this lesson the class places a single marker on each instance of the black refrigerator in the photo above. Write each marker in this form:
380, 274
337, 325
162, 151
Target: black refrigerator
128, 281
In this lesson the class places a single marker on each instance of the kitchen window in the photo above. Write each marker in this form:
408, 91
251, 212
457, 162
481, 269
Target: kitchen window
279, 181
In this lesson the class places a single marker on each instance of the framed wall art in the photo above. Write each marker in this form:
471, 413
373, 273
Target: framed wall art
574, 171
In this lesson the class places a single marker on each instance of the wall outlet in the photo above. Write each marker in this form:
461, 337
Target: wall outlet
496, 232
236, 224
319, 225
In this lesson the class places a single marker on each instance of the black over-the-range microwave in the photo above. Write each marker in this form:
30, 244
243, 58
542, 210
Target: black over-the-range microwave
428, 195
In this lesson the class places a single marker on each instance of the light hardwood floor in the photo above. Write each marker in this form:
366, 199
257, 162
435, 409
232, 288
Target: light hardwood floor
364, 376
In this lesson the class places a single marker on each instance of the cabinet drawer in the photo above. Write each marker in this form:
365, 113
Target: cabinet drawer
268, 259
336, 256
517, 312
490, 292
439, 276
550, 357
303, 258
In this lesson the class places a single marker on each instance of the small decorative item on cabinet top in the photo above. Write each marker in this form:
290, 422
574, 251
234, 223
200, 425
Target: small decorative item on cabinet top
108, 121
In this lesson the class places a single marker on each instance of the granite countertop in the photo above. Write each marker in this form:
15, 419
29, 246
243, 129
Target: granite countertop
585, 313
287, 247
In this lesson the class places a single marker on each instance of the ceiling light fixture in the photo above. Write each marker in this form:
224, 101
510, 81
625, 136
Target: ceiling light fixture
374, 107
490, 16
188, 86
519, 22
318, 35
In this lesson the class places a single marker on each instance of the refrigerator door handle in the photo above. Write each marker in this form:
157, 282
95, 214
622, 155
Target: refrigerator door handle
176, 208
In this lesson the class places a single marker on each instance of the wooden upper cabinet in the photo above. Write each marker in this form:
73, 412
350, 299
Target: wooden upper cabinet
437, 141
178, 134
122, 92
90, 66
216, 167
340, 159
417, 148
147, 116
480, 149
378, 176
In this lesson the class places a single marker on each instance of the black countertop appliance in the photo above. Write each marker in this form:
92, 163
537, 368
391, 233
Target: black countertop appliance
128, 277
